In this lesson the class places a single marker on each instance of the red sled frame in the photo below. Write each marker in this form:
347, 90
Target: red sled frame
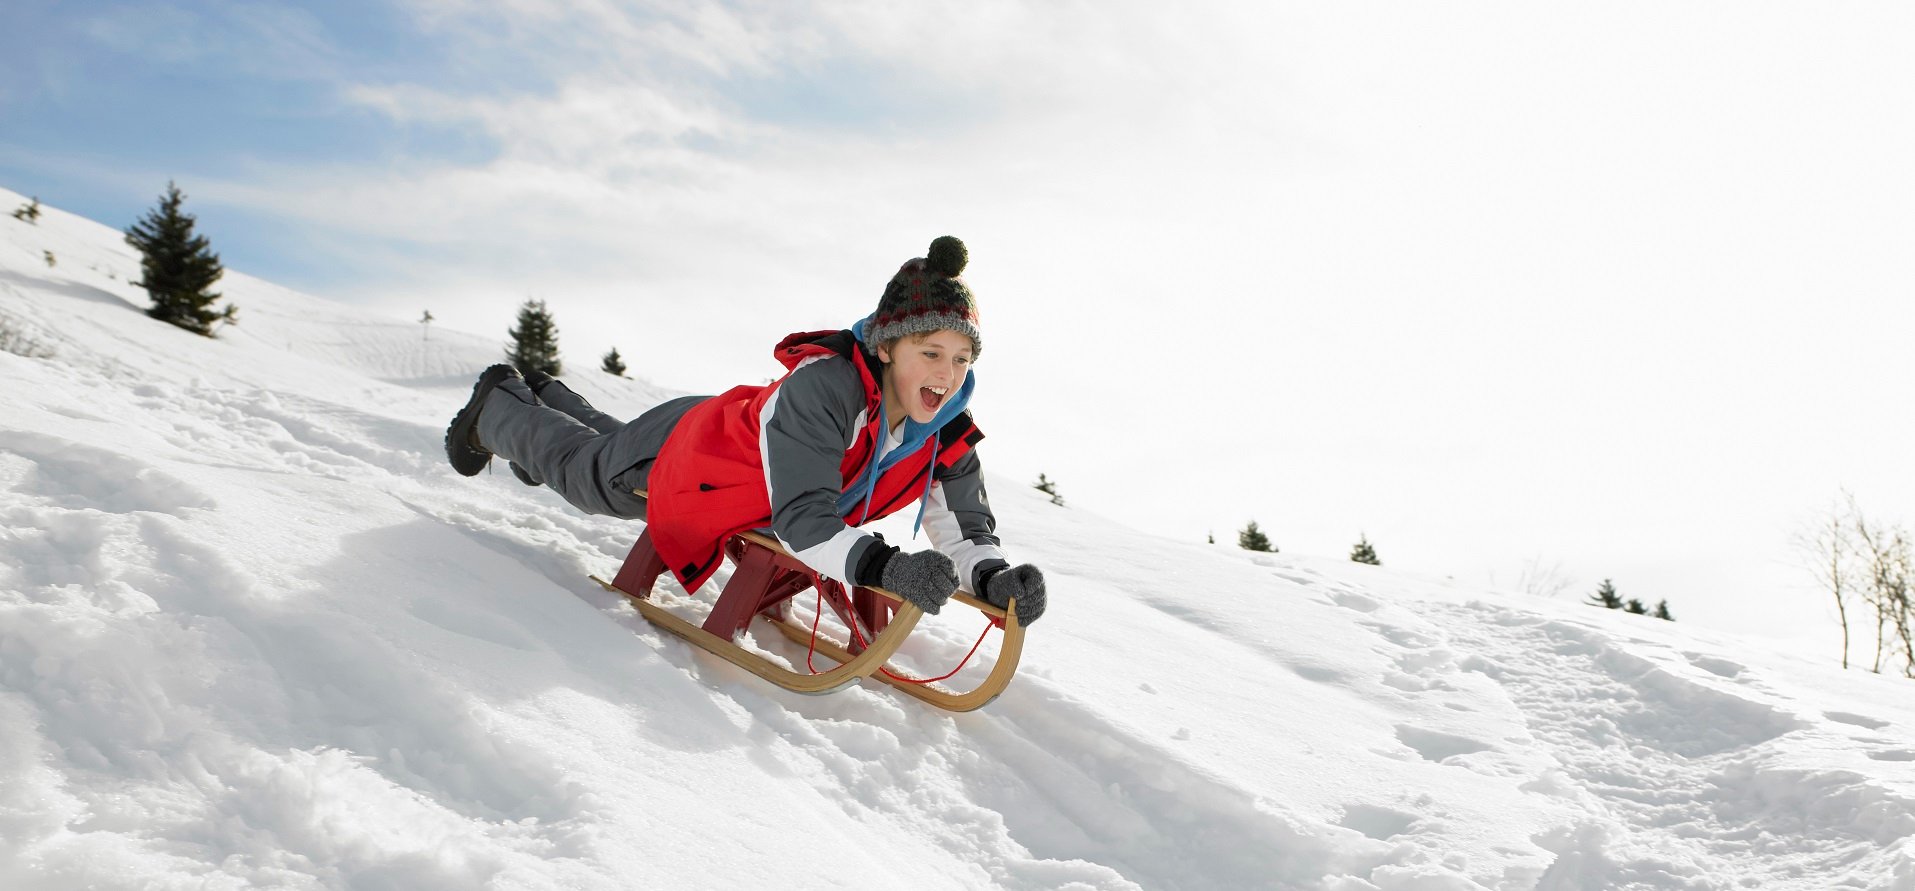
764, 580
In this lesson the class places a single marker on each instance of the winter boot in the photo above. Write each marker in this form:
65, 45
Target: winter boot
463, 449
537, 380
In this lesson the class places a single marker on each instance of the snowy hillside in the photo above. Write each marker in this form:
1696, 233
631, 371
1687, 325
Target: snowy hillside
255, 634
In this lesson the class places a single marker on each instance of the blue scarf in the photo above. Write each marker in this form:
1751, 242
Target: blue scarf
916, 435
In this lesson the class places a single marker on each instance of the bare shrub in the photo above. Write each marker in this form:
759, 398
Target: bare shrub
1541, 579
1865, 563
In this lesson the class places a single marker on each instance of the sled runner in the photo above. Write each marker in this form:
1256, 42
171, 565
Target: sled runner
764, 580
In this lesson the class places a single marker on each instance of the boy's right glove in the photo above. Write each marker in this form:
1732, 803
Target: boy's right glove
925, 578
1025, 583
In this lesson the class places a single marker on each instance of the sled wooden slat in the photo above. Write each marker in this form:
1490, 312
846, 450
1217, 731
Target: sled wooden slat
993, 684
848, 671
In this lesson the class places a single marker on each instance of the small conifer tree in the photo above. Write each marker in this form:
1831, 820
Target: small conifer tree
425, 325
1635, 607
1251, 538
1662, 611
177, 269
1606, 596
613, 364
1048, 487
535, 341
1211, 536
51, 260
28, 212
1364, 552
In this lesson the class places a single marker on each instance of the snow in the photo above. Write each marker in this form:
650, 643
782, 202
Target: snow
255, 634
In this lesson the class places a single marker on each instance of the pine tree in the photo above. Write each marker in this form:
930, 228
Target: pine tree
613, 364
1662, 611
1250, 538
1211, 536
535, 342
1364, 552
1606, 596
29, 212
1048, 487
176, 269
1635, 607
425, 325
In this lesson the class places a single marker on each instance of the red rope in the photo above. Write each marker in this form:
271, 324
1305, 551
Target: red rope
858, 639
819, 614
960, 667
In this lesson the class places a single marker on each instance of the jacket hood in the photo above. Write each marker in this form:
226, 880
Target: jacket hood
796, 348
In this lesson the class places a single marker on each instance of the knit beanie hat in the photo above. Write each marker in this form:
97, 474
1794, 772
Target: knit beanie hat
925, 296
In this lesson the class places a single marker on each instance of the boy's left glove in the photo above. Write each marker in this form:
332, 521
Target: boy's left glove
925, 578
1025, 583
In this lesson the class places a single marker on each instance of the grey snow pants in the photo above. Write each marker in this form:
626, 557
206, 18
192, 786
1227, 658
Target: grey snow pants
590, 458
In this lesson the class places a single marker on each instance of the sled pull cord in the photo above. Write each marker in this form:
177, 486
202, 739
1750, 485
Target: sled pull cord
960, 666
857, 637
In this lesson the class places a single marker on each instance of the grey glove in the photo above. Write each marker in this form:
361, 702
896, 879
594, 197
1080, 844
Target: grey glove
925, 578
1025, 583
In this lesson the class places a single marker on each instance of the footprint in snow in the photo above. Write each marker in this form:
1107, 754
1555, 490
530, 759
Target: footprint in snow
1438, 746
1718, 667
1380, 823
1356, 602
1857, 720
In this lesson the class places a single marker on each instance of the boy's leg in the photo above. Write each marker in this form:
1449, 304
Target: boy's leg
573, 459
555, 393
645, 437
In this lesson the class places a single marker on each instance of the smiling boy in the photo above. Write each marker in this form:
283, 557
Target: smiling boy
865, 422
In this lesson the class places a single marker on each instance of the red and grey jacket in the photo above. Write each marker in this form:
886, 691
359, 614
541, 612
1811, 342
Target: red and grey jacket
782, 455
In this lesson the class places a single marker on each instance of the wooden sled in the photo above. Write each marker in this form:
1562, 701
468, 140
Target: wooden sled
765, 578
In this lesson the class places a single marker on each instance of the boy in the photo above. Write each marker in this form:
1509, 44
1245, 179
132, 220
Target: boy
865, 422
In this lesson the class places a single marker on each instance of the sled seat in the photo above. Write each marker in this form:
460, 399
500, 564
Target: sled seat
764, 579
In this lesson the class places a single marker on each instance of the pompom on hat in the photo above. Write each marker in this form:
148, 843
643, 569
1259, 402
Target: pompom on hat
925, 296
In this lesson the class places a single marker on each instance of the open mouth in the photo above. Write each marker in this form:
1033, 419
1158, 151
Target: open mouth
930, 397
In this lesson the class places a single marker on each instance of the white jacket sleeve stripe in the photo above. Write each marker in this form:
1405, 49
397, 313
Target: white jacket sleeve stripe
947, 535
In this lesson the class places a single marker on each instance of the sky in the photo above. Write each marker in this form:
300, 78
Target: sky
1513, 290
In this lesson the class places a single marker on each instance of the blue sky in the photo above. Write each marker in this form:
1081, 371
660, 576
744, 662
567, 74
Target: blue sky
1605, 287
102, 103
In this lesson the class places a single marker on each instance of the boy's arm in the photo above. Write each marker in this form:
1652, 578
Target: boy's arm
803, 432
959, 522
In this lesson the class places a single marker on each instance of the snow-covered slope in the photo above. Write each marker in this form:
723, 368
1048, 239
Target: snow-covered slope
255, 634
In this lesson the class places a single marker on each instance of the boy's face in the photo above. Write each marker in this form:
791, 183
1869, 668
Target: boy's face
922, 372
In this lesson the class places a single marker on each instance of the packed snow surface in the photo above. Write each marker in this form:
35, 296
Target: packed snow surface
254, 633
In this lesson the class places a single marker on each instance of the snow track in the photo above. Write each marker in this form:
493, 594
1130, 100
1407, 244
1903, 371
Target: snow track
1675, 760
253, 634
